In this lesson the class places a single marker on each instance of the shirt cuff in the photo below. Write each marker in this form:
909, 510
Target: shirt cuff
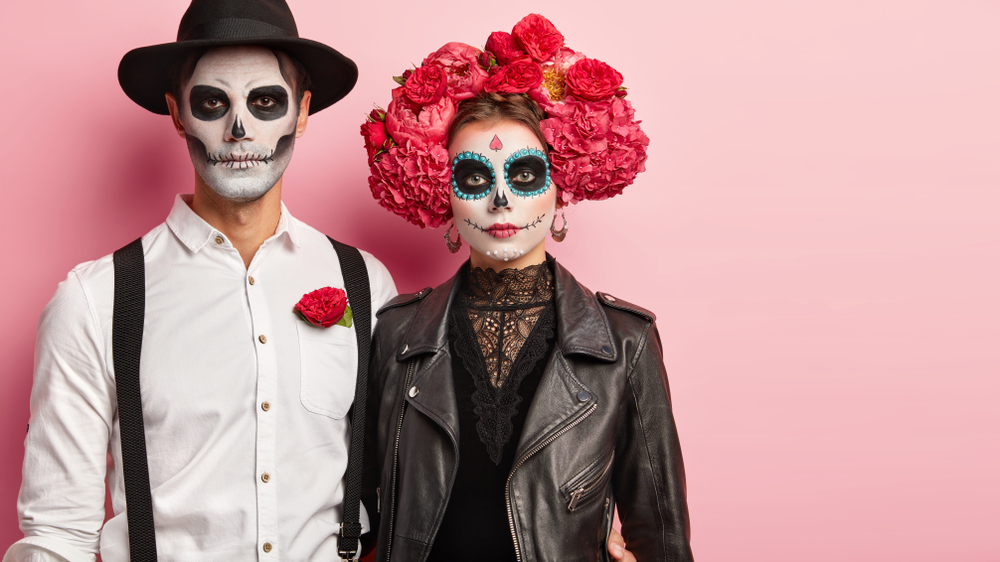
45, 549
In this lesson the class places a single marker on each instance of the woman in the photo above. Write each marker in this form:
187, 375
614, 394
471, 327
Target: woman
511, 408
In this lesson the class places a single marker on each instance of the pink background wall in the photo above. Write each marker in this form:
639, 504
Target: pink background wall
817, 231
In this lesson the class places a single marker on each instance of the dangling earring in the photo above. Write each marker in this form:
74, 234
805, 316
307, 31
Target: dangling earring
457, 244
559, 235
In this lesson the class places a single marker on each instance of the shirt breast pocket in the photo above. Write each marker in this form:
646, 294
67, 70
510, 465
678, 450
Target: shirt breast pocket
328, 369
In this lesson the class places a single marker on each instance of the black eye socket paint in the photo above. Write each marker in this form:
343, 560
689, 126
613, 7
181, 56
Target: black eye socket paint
208, 103
527, 175
268, 103
472, 177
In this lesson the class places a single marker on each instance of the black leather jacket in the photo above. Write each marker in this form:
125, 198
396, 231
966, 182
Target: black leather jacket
599, 433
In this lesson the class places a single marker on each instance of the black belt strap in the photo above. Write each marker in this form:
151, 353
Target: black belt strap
126, 348
352, 264
126, 345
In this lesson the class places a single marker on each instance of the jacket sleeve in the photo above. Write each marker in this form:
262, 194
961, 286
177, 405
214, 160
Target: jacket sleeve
61, 503
649, 483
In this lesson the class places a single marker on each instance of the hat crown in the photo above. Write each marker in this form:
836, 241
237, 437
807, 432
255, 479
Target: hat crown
234, 19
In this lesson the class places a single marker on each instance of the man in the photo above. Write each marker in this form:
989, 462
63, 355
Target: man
244, 403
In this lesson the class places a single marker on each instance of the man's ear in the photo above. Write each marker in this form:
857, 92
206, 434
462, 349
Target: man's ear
300, 124
175, 114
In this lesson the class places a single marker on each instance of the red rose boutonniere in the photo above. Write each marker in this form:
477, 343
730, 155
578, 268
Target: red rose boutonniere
325, 307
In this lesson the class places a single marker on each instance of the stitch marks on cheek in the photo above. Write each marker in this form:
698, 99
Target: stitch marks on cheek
504, 230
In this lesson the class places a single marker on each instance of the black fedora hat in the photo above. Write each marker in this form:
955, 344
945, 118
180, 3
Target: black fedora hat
144, 73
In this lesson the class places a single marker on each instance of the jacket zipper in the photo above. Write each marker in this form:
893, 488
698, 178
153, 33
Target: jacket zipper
395, 460
510, 511
581, 491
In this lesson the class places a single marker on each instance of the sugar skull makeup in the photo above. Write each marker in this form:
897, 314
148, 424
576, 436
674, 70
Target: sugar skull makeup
502, 196
239, 118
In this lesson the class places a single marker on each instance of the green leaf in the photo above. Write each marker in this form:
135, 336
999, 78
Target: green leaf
348, 318
399, 80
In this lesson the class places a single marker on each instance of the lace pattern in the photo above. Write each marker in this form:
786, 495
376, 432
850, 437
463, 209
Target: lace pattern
503, 322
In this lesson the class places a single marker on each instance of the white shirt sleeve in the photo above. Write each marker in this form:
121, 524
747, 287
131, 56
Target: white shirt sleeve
382, 286
61, 502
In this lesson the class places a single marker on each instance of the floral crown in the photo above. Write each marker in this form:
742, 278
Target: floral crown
596, 147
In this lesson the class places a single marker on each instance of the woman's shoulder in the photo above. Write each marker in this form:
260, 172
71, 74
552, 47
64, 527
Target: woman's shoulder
615, 303
403, 300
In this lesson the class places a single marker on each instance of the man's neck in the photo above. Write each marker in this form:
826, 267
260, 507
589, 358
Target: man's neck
246, 224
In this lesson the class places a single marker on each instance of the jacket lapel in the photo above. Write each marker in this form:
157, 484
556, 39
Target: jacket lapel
561, 397
432, 391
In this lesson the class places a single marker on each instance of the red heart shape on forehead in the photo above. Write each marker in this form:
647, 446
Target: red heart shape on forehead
495, 144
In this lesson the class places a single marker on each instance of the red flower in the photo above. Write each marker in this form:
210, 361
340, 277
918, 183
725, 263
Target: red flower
324, 307
593, 80
426, 84
597, 147
504, 47
413, 182
515, 78
538, 37
377, 139
427, 125
461, 63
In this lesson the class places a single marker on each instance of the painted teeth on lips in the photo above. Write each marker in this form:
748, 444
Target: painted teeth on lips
505, 230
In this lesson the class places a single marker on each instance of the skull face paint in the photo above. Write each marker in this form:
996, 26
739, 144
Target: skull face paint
507, 217
238, 122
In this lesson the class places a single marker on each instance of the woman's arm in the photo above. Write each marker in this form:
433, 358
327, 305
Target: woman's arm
648, 477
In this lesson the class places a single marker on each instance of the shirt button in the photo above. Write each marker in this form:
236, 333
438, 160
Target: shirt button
414, 391
262, 338
265, 478
583, 396
218, 240
267, 547
265, 406
251, 280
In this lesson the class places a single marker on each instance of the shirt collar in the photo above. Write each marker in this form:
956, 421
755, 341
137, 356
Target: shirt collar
194, 232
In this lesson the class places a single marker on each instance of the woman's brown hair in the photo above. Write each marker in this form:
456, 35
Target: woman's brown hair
495, 107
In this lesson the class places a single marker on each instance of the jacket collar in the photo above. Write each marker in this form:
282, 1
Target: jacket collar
582, 327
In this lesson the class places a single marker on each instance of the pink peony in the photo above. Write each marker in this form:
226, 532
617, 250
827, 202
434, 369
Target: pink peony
597, 147
553, 88
593, 80
461, 63
426, 84
413, 182
538, 37
323, 307
515, 78
427, 125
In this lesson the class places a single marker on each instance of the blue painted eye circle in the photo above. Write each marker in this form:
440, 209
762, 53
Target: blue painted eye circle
472, 176
527, 173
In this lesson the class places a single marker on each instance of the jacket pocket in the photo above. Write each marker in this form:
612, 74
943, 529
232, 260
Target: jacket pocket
587, 485
328, 369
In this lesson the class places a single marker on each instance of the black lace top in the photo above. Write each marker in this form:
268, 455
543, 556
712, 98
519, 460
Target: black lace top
502, 329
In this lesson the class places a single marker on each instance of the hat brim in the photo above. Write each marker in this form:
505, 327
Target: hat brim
144, 73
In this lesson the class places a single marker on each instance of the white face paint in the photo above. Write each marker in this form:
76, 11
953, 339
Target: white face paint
502, 198
239, 116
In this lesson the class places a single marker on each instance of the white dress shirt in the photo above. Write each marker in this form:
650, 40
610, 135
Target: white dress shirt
244, 403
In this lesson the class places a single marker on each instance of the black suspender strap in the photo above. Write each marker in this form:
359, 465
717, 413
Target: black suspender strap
126, 348
352, 265
126, 345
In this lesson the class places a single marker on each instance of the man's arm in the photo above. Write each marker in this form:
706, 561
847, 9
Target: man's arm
61, 503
